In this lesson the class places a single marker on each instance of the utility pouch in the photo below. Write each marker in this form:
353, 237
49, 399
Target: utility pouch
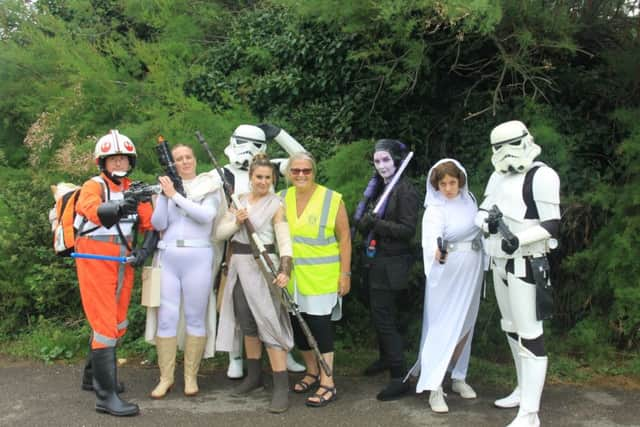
544, 296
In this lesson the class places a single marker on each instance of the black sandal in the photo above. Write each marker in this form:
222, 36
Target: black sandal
305, 386
323, 401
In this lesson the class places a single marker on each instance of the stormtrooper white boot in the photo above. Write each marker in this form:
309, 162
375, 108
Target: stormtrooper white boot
293, 366
512, 400
534, 370
235, 371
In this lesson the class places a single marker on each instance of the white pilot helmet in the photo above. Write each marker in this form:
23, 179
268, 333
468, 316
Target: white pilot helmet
245, 142
513, 147
112, 144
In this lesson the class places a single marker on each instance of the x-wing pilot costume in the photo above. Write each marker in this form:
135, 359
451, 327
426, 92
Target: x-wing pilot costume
105, 220
528, 195
245, 142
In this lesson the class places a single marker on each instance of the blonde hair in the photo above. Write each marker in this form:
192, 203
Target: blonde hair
175, 147
302, 155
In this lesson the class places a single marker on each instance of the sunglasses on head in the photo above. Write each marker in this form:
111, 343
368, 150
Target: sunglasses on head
305, 171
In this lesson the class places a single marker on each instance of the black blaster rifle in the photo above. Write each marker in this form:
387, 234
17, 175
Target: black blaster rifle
442, 245
142, 192
495, 217
166, 161
271, 274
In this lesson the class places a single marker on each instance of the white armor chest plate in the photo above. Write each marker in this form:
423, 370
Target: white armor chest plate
505, 191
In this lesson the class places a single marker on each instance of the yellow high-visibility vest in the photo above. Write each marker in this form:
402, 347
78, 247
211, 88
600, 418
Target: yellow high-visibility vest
316, 261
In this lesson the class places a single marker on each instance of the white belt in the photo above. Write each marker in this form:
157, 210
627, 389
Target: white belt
461, 246
162, 244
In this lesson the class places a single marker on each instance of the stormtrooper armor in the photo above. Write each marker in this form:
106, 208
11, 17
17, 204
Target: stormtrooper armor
528, 195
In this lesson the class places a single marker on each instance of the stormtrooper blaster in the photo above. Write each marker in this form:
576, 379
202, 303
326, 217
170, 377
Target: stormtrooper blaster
261, 253
169, 165
141, 192
495, 221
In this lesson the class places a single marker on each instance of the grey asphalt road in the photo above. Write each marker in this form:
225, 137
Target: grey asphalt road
34, 394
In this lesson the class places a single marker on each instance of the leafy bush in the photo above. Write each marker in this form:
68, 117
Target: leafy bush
33, 281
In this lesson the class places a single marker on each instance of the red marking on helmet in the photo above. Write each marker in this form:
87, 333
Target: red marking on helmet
128, 146
105, 147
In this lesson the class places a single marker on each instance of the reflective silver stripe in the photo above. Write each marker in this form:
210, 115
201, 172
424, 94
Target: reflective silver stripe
123, 325
111, 238
121, 268
315, 242
326, 204
109, 342
317, 260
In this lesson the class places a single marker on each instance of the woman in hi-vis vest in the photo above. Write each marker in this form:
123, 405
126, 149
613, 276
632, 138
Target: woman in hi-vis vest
321, 274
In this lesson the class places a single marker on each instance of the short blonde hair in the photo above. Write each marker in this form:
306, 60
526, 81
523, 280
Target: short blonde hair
302, 155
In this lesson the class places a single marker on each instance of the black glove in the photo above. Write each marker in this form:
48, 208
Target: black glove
367, 222
492, 224
128, 206
139, 257
510, 246
270, 131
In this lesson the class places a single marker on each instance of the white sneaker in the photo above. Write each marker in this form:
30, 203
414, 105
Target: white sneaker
234, 371
437, 403
511, 401
463, 389
293, 366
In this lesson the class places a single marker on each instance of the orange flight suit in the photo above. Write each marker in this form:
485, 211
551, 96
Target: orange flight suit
105, 286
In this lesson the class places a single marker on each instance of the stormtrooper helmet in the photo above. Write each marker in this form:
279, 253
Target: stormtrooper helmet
245, 142
513, 147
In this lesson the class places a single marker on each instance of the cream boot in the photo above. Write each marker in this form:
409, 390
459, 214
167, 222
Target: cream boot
166, 349
193, 351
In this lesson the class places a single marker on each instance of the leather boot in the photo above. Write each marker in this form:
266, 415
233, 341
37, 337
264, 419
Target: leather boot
512, 400
280, 396
104, 384
534, 371
253, 380
87, 376
377, 367
193, 351
395, 389
166, 349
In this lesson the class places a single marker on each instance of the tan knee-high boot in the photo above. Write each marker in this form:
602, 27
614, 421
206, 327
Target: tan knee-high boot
193, 350
166, 349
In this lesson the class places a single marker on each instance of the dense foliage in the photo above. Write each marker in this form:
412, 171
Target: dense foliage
436, 74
